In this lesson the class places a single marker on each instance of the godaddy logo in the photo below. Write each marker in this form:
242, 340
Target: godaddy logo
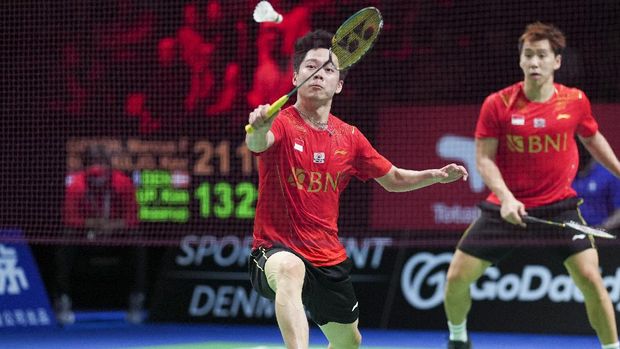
423, 280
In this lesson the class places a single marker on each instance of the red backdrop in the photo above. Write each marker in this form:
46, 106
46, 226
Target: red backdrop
430, 138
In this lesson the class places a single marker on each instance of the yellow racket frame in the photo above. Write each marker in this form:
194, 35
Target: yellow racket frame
353, 39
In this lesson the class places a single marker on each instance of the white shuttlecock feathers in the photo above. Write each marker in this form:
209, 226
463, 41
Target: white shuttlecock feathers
264, 12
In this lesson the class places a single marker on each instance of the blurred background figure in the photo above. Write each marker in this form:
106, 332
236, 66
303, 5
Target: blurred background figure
229, 39
274, 73
120, 38
161, 104
188, 36
295, 24
100, 202
275, 45
71, 77
205, 48
600, 191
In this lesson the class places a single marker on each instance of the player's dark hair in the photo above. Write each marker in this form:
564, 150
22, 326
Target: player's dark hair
317, 39
538, 31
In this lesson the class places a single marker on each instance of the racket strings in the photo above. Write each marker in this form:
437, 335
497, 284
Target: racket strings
587, 229
356, 37
352, 40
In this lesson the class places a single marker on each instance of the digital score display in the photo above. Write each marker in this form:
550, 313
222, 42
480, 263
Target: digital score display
180, 181
159, 199
162, 200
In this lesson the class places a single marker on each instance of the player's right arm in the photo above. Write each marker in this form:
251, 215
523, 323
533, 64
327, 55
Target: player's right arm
261, 138
486, 150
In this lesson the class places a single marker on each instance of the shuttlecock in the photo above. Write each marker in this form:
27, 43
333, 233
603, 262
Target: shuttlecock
264, 12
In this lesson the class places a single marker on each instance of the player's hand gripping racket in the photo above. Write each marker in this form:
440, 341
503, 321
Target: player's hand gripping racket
353, 39
571, 225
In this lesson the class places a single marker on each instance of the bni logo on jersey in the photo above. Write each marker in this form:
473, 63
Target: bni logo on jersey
12, 278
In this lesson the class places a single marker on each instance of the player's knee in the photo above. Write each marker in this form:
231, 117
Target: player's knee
588, 279
357, 341
352, 342
285, 273
288, 275
456, 278
291, 267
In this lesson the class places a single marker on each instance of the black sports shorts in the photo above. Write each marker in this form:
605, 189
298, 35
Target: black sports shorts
327, 293
492, 238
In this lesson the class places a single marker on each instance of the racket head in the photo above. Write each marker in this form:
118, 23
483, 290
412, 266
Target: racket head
589, 230
356, 36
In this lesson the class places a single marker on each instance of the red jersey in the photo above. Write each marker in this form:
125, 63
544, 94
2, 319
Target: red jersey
116, 201
301, 177
537, 154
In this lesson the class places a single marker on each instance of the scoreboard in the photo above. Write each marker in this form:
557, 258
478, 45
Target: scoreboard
182, 180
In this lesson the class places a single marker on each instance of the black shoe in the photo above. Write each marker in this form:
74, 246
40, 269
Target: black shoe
459, 345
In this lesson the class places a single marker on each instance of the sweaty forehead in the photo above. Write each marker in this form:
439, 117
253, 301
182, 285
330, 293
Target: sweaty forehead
320, 55
538, 45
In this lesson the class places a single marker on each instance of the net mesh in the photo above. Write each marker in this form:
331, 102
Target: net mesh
165, 88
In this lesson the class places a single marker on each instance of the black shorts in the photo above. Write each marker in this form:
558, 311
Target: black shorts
327, 293
492, 238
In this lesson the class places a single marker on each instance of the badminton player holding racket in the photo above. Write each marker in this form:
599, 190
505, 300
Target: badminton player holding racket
527, 156
307, 157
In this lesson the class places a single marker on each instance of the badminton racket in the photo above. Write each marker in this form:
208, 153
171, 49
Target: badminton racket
353, 39
571, 225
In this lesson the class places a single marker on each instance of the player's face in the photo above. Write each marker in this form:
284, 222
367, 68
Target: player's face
538, 62
325, 83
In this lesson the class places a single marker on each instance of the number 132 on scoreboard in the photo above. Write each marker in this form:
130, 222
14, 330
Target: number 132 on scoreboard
224, 200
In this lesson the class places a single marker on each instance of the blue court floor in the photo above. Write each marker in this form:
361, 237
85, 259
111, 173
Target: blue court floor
116, 334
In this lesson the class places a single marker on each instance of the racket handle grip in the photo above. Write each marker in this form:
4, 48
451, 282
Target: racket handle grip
276, 106
530, 219
273, 110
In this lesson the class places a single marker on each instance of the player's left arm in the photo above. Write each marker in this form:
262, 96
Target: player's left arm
401, 180
600, 149
612, 222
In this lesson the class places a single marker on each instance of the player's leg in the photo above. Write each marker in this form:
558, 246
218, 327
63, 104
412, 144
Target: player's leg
463, 271
285, 274
330, 299
342, 336
583, 267
473, 256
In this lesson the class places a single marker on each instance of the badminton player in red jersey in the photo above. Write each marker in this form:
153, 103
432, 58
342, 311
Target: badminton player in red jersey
527, 156
307, 157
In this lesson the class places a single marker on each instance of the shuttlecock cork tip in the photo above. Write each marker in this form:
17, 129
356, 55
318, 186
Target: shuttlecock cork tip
264, 12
